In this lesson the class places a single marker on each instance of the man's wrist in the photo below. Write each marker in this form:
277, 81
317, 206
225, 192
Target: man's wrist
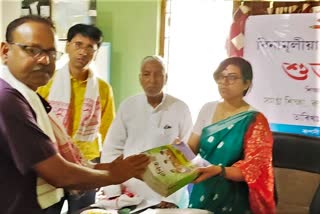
102, 166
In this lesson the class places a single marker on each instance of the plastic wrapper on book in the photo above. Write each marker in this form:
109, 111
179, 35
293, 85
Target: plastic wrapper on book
170, 168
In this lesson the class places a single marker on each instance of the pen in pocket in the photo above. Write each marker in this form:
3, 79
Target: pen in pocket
167, 127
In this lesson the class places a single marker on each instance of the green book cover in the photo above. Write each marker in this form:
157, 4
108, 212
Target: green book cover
169, 169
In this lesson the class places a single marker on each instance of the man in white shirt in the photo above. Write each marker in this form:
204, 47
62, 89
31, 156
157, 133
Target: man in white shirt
146, 121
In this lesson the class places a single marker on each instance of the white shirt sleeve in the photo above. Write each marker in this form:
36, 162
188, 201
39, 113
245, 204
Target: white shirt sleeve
184, 133
113, 148
185, 125
204, 117
115, 139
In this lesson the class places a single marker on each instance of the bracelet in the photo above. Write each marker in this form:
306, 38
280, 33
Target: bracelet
223, 171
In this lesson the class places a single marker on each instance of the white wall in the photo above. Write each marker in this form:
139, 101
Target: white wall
9, 10
197, 46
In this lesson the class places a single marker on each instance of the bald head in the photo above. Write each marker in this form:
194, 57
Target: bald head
24, 19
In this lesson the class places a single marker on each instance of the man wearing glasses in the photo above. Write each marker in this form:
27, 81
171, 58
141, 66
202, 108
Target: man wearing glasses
35, 160
82, 102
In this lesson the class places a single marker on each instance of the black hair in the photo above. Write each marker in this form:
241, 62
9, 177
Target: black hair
244, 66
24, 19
90, 31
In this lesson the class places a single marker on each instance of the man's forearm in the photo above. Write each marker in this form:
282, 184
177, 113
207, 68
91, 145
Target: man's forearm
102, 166
61, 173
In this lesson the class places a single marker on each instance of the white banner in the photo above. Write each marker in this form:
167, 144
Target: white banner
284, 51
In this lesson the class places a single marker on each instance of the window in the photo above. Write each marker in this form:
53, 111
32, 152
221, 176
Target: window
194, 45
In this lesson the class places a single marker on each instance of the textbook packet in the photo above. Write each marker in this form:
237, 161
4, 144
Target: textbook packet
170, 168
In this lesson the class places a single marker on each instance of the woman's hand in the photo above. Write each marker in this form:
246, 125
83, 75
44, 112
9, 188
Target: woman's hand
207, 172
176, 141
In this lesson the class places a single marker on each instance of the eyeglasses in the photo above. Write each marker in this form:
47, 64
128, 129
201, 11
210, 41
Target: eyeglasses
156, 75
80, 46
36, 52
229, 79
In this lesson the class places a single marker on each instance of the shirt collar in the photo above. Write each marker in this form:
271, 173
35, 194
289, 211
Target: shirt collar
90, 74
46, 105
158, 107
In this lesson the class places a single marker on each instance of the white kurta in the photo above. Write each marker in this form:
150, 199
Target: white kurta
139, 127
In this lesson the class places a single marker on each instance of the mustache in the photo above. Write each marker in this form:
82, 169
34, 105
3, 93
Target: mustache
42, 68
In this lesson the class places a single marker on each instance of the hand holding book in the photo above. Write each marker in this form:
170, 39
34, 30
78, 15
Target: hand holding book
122, 169
195, 159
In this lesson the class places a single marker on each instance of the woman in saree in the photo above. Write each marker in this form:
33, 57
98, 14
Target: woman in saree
236, 141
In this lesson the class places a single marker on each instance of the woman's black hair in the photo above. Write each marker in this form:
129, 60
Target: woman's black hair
244, 66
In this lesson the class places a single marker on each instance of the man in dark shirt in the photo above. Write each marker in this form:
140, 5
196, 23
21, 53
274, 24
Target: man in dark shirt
27, 150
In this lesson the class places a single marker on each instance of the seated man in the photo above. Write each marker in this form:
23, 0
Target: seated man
146, 121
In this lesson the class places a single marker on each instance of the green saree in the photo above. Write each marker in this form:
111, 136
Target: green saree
222, 144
